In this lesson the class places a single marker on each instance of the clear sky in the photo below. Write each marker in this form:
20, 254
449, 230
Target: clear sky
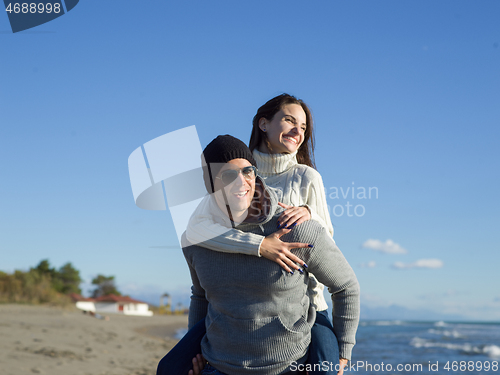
405, 97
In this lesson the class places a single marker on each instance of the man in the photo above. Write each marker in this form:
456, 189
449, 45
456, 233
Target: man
258, 318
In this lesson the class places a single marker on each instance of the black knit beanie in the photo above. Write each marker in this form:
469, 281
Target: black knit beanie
218, 152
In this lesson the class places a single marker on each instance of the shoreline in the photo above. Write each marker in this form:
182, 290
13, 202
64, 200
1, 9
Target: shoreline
39, 339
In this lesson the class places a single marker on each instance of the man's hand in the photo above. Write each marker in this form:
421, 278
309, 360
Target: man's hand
343, 363
198, 365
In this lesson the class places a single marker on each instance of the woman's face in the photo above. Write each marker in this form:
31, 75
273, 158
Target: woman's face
239, 193
286, 129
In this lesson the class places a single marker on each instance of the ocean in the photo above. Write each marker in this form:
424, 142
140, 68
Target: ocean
401, 347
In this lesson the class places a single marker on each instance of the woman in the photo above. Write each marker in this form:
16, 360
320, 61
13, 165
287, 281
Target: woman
282, 143
283, 147
260, 322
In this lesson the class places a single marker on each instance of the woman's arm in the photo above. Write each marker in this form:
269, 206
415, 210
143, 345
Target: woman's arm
293, 216
203, 230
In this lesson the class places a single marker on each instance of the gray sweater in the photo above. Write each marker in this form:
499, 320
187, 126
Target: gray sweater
258, 317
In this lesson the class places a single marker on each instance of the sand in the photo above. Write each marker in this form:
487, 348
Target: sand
55, 341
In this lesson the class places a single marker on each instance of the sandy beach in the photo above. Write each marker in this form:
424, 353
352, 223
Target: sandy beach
49, 340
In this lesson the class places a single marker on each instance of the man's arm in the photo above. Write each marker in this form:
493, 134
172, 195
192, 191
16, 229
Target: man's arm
199, 304
329, 266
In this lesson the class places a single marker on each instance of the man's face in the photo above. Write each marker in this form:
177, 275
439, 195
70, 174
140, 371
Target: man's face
239, 193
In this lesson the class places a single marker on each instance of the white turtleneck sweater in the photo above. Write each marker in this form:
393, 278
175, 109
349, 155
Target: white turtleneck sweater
299, 185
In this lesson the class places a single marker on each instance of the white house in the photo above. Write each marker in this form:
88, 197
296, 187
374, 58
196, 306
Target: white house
82, 303
112, 304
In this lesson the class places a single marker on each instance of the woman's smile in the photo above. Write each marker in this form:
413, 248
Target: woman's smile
291, 139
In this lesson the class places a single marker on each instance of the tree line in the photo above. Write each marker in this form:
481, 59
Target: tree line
46, 284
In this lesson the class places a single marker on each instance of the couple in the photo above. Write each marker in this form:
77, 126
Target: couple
251, 316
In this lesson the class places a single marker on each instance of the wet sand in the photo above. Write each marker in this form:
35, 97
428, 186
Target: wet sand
55, 341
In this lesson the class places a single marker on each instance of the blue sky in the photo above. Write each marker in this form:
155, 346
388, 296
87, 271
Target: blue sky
405, 97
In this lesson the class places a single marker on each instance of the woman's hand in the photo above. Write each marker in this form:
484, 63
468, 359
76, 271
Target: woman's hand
278, 251
343, 363
293, 216
198, 365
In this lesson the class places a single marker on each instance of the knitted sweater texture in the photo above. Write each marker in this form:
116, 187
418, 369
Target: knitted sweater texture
258, 317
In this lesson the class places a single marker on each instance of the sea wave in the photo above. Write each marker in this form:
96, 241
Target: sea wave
440, 324
491, 351
454, 333
384, 323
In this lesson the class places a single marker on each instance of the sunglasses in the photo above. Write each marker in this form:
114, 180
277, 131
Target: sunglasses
229, 175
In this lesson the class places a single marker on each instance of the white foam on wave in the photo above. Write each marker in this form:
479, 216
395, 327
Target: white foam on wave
491, 351
418, 342
454, 333
388, 323
440, 324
